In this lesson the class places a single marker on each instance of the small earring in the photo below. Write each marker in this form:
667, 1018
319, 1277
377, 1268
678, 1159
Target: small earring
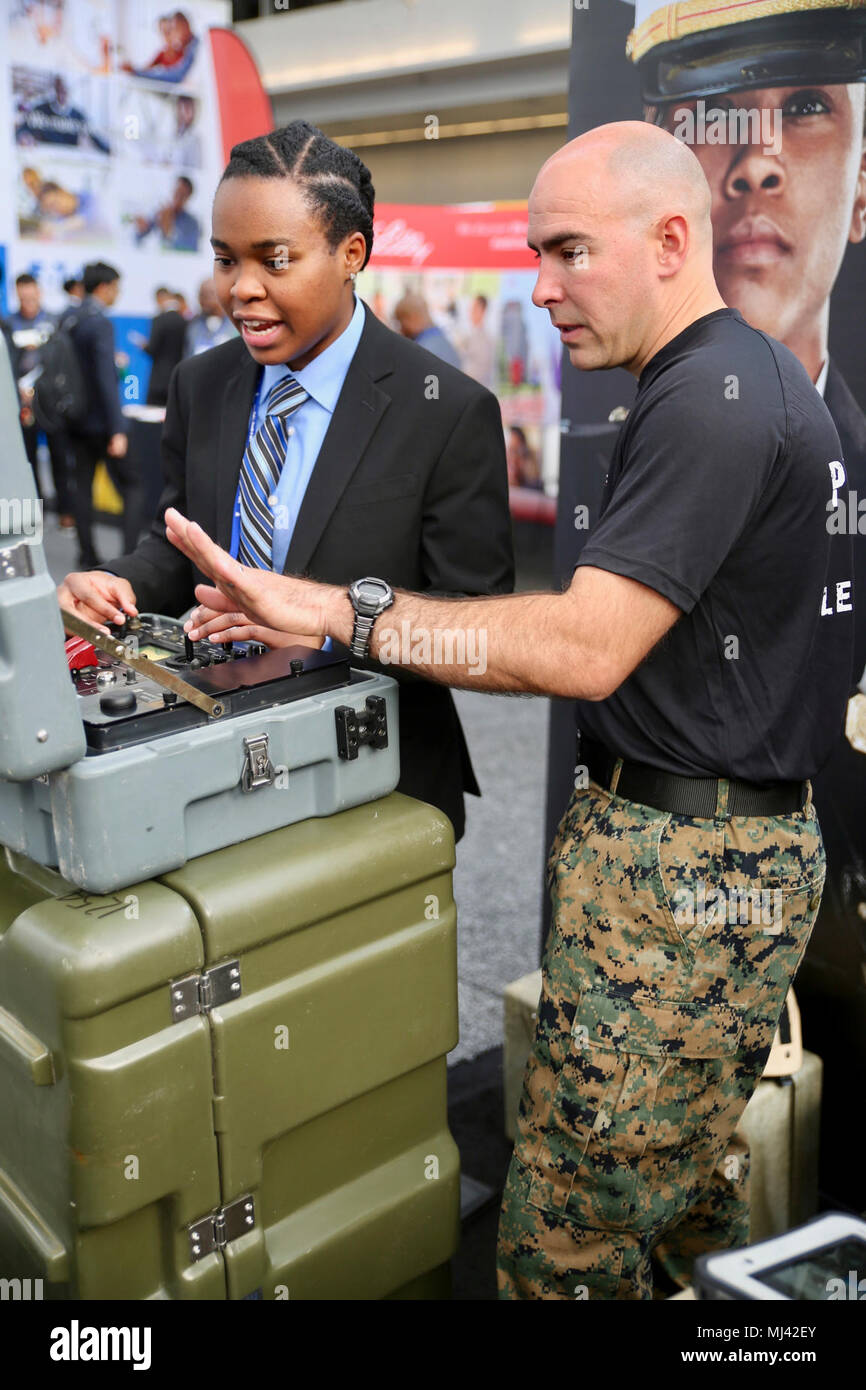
352, 276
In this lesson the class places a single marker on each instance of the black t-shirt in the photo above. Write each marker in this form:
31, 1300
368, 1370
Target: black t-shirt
718, 497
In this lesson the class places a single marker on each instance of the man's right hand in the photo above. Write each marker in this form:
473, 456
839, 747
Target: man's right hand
117, 445
98, 597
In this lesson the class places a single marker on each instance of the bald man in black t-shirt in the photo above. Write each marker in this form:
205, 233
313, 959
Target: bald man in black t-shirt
708, 634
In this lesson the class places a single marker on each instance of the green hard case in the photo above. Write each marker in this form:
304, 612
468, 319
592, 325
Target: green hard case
230, 1082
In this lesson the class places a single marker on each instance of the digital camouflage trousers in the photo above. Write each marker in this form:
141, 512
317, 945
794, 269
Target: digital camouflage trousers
672, 946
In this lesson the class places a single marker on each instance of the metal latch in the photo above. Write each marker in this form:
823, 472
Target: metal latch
214, 1231
258, 770
355, 728
201, 992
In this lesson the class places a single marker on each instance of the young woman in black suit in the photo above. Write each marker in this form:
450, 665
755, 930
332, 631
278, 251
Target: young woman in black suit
391, 462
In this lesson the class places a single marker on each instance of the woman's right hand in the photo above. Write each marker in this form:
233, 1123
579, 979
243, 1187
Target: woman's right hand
97, 596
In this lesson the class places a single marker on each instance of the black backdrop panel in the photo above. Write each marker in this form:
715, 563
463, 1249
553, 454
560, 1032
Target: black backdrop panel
831, 986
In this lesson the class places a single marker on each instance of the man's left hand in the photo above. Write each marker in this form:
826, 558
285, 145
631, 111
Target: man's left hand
217, 619
272, 600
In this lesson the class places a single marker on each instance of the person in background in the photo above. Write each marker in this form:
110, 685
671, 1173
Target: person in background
380, 307
73, 288
32, 181
414, 321
168, 56
57, 122
164, 299
523, 467
476, 346
165, 344
61, 211
210, 327
31, 326
186, 143
177, 56
186, 41
9, 339
179, 230
101, 434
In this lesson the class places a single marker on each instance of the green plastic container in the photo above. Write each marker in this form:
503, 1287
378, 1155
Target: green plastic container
230, 1082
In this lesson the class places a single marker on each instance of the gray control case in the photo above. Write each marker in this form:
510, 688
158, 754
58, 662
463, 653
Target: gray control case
40, 727
120, 817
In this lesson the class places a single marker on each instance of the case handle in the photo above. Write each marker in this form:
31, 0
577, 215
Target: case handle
26, 1050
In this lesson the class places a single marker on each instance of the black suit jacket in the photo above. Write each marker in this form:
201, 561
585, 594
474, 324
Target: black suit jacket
410, 485
167, 341
93, 337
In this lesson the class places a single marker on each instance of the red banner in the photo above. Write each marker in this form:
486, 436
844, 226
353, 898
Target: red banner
244, 105
460, 236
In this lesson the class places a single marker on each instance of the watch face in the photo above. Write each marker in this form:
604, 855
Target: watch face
371, 594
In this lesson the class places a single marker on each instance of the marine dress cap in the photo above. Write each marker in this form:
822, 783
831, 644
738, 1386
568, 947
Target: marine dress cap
697, 48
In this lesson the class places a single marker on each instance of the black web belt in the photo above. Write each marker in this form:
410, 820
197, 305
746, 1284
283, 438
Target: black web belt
688, 796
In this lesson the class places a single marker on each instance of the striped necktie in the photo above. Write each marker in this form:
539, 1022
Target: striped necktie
260, 472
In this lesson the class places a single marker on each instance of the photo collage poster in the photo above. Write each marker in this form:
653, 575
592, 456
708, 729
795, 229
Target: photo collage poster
110, 149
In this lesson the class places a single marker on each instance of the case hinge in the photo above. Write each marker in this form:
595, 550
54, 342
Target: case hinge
214, 1231
355, 728
203, 991
16, 562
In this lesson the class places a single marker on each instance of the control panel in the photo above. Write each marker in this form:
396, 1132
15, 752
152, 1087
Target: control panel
153, 681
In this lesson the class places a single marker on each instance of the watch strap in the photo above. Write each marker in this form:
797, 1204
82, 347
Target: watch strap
361, 633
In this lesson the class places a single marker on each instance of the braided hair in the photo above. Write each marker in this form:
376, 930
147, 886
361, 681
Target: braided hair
334, 181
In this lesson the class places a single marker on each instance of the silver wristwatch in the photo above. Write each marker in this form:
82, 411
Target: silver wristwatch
369, 597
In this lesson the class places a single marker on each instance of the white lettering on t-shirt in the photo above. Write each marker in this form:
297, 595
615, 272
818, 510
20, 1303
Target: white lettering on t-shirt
838, 478
843, 600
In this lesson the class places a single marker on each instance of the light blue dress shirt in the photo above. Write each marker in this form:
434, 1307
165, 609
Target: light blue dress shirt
323, 380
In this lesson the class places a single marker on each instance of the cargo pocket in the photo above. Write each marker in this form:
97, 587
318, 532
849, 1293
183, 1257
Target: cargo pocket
635, 1099
761, 959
